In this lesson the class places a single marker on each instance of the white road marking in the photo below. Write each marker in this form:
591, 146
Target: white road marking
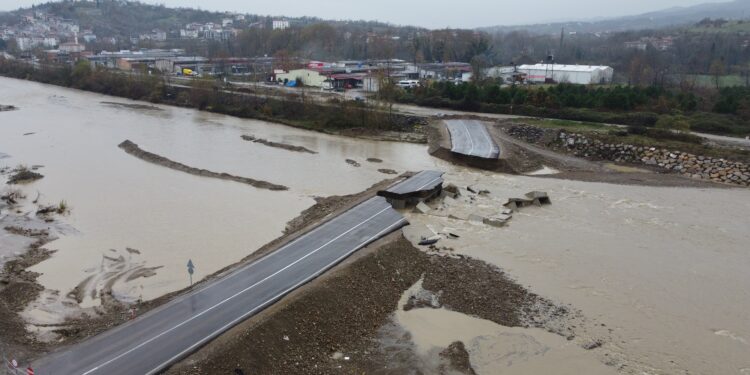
230, 298
232, 323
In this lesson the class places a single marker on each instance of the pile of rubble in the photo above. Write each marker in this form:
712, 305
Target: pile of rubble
530, 134
498, 219
695, 166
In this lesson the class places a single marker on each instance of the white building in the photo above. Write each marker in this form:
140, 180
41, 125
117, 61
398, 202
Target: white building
280, 24
188, 34
559, 73
28, 43
72, 47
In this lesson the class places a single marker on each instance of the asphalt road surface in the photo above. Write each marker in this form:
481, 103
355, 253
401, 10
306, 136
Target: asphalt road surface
470, 137
425, 180
162, 336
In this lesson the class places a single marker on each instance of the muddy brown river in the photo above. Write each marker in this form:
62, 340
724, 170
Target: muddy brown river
168, 217
662, 275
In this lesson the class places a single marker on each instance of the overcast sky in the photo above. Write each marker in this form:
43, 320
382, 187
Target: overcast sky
427, 13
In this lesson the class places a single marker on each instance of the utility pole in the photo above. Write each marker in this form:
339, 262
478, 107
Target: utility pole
562, 37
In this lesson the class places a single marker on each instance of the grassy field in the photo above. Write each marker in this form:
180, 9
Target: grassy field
577, 126
611, 134
706, 80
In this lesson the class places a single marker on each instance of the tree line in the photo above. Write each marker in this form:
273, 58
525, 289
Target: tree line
210, 95
726, 111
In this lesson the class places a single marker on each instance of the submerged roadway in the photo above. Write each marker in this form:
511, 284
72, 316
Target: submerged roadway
166, 334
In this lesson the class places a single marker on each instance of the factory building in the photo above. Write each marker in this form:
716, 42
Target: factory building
559, 73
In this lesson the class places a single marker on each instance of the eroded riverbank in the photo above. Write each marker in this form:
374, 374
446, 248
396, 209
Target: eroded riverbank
652, 276
137, 223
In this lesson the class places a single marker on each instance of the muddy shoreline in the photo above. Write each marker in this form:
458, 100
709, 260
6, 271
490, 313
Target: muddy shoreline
342, 321
16, 281
133, 149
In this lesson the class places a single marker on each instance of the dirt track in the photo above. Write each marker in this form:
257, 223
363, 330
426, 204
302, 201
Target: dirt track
519, 157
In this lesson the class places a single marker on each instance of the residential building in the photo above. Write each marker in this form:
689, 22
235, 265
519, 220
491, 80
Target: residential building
280, 24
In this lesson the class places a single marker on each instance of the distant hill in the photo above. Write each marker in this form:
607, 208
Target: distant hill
733, 10
125, 17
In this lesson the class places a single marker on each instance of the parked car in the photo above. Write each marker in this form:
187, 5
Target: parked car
408, 83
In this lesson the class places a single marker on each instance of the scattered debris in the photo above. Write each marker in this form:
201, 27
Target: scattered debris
453, 235
353, 162
374, 160
425, 241
471, 189
387, 171
457, 358
12, 196
284, 146
61, 208
497, 221
27, 232
452, 191
423, 299
539, 197
593, 344
132, 251
422, 208
536, 198
23, 175
476, 218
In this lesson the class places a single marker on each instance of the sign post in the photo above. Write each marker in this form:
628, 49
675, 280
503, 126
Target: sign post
190, 268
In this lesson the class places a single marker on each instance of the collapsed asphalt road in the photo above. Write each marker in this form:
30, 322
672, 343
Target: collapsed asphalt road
152, 342
470, 137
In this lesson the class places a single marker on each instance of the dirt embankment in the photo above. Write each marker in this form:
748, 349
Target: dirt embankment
512, 159
115, 313
333, 325
133, 149
282, 146
519, 156
575, 168
18, 286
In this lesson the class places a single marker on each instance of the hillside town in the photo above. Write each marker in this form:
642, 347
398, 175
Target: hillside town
44, 38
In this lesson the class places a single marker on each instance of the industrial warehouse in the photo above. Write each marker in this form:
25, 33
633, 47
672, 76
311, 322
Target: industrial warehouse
559, 73
344, 75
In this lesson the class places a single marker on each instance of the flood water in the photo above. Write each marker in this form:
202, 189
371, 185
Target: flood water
167, 216
661, 274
